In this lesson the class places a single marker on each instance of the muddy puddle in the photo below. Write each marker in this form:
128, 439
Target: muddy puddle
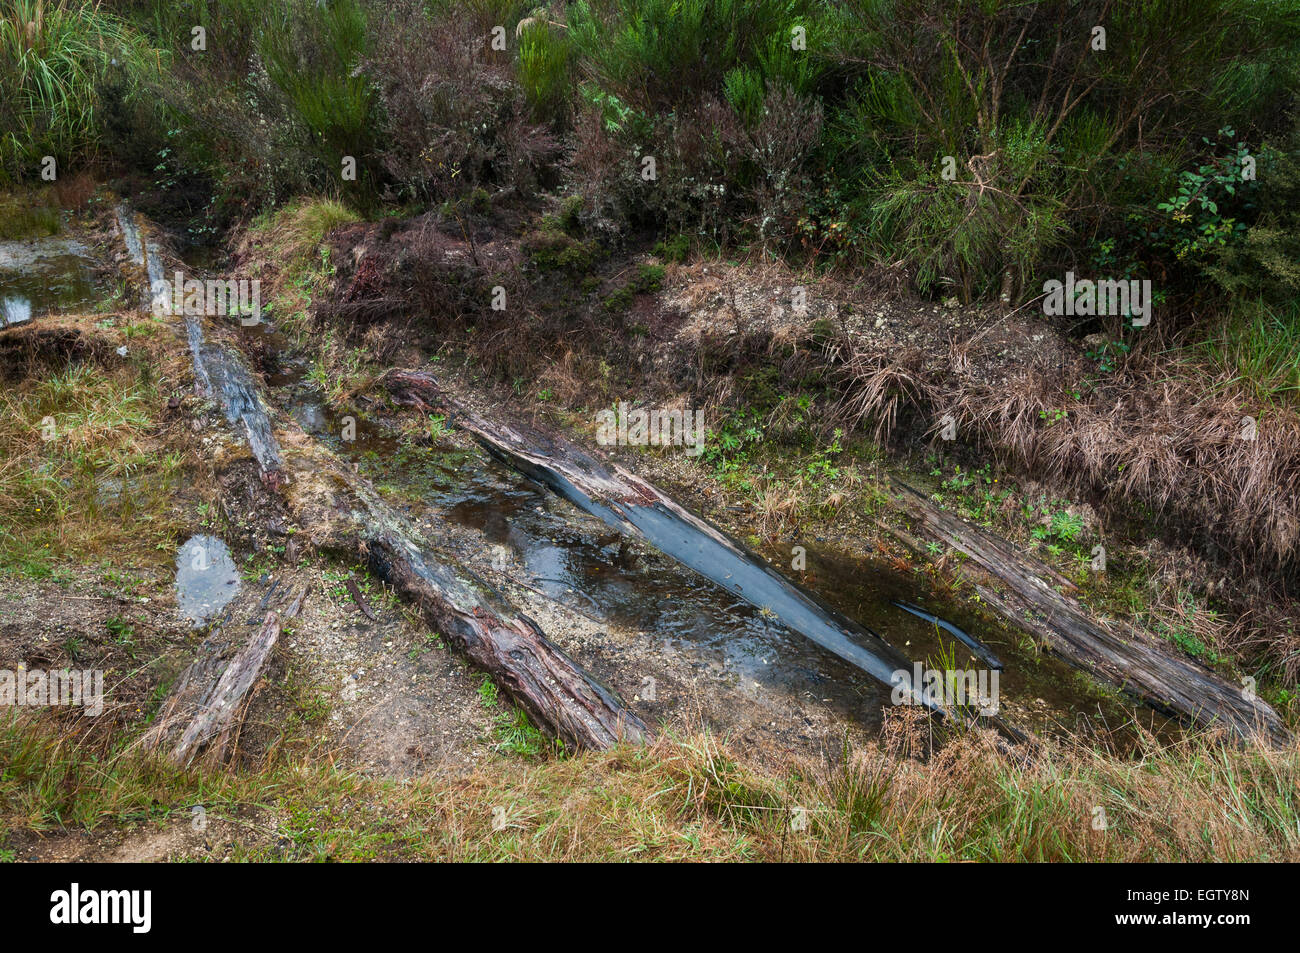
207, 579
43, 276
1038, 691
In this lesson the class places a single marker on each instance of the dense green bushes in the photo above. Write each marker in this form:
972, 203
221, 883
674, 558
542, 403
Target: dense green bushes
271, 104
977, 145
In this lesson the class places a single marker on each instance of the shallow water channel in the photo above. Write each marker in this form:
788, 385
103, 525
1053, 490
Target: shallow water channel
542, 541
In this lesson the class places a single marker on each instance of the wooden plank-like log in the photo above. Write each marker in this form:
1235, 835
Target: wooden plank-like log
1115, 652
224, 377
209, 696
565, 701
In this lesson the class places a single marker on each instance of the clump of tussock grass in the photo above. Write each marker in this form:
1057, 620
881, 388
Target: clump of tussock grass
1257, 351
287, 247
293, 234
54, 54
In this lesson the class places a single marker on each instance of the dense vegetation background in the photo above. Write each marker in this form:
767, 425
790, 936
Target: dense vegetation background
816, 128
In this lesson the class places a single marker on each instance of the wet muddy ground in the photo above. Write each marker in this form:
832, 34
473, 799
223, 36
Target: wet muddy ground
388, 697
46, 275
677, 646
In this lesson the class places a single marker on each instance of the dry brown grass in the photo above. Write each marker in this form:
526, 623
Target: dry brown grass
1160, 435
696, 798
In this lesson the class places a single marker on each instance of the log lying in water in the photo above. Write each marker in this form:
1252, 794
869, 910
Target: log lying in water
210, 697
561, 698
219, 371
633, 506
1116, 652
227, 379
979, 648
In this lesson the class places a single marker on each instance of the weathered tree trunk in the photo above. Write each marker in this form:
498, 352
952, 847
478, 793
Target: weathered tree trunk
1115, 652
561, 698
544, 681
229, 382
219, 371
209, 697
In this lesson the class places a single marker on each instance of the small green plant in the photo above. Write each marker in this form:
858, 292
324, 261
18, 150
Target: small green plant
729, 447
1109, 355
1066, 526
649, 278
121, 630
515, 734
487, 692
674, 249
820, 468
1181, 630
618, 301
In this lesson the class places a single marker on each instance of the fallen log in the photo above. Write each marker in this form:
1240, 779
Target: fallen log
561, 698
229, 382
209, 697
1114, 652
219, 372
632, 506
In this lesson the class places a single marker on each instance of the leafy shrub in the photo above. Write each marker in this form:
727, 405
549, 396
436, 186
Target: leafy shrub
267, 111
1265, 261
312, 55
545, 69
657, 55
1047, 136
966, 234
